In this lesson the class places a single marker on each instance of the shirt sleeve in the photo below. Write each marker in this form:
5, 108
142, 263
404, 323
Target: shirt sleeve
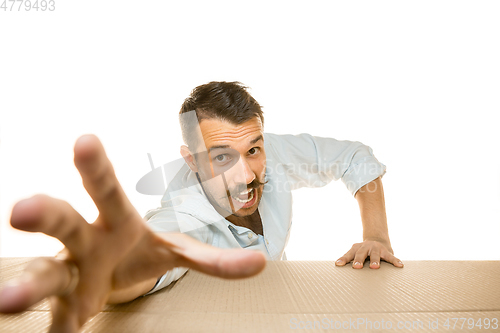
312, 161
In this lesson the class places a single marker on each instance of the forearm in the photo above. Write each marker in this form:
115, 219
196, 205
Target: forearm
373, 216
131, 293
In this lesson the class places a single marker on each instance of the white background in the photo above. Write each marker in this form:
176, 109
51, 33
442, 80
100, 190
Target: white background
416, 81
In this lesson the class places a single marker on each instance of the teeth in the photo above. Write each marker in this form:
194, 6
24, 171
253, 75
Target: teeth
245, 192
245, 201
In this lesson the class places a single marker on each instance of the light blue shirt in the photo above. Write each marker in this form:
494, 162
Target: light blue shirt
292, 162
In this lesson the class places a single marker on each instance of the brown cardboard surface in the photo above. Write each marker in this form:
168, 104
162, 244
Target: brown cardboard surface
423, 296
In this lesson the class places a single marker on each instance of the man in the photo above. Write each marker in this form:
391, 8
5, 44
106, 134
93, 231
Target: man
234, 189
233, 192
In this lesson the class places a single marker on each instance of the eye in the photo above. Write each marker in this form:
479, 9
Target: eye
254, 150
221, 158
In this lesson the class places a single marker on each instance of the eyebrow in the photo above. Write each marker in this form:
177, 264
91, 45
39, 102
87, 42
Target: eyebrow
254, 141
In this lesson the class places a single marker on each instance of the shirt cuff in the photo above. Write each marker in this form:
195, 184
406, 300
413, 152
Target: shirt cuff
362, 173
168, 278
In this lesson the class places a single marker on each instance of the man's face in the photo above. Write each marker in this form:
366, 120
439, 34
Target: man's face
233, 168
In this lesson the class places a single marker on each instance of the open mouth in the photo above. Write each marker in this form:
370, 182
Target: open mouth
245, 199
245, 196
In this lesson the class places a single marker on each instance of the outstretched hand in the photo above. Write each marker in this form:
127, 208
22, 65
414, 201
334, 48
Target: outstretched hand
117, 253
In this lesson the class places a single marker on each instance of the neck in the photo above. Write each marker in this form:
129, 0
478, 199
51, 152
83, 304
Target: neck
252, 222
242, 220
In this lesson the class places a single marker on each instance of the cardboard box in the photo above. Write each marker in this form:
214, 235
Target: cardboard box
424, 296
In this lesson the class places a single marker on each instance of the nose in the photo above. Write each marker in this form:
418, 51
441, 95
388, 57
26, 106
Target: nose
249, 175
243, 173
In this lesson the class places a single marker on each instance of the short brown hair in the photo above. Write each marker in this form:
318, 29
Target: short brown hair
226, 101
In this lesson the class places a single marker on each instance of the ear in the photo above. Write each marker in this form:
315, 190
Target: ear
189, 158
